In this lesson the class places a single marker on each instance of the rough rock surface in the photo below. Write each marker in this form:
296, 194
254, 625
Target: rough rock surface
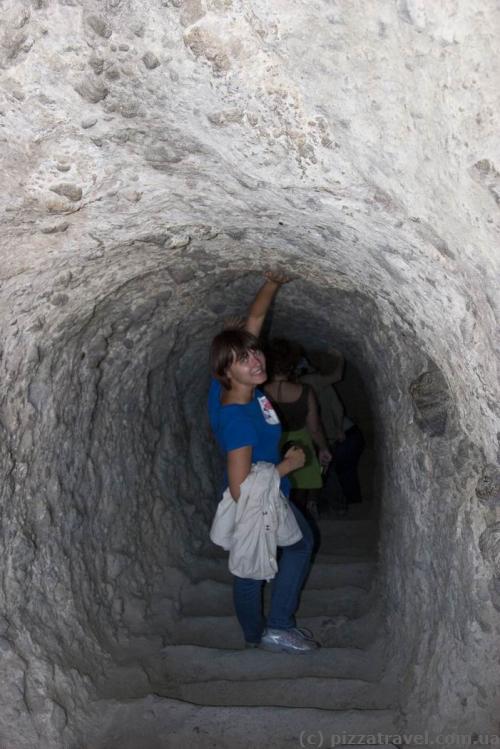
156, 155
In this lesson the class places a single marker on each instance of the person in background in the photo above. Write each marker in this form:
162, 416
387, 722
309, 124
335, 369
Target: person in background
345, 439
298, 411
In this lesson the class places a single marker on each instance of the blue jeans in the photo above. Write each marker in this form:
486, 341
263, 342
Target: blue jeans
293, 567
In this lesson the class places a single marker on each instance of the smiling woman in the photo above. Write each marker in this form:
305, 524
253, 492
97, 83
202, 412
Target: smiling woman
248, 430
248, 369
233, 350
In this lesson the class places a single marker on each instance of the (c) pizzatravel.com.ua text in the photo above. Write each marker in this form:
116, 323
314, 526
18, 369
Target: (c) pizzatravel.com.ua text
323, 740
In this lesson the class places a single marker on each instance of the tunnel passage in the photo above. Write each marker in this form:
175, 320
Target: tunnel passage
157, 156
111, 475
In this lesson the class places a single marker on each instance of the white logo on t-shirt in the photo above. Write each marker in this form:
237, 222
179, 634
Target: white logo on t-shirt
268, 411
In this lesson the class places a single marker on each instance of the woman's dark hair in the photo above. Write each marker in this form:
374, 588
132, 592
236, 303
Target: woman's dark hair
282, 357
228, 346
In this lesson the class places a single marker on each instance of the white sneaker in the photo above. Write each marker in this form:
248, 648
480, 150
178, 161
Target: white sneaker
287, 641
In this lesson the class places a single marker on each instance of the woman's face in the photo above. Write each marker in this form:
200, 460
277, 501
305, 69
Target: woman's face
250, 369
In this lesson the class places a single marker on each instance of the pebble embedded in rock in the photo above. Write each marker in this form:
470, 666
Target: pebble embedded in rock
150, 60
488, 485
64, 278
112, 73
68, 190
100, 26
88, 122
432, 401
59, 299
91, 90
55, 228
161, 156
182, 274
97, 64
138, 28
132, 195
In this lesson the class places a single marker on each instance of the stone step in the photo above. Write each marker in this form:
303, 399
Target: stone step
169, 724
361, 535
188, 664
225, 632
346, 545
210, 598
334, 557
330, 553
322, 575
325, 555
347, 524
323, 693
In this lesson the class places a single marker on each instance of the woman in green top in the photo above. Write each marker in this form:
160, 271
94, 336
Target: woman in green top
298, 410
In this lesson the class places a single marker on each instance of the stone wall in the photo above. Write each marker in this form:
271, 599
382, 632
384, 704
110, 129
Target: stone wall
156, 157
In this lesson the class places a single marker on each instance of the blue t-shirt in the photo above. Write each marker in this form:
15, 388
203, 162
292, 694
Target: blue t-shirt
253, 424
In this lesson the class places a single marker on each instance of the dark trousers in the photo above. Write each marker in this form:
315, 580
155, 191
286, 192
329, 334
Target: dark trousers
293, 566
345, 463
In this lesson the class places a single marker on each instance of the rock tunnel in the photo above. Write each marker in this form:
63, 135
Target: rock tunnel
157, 157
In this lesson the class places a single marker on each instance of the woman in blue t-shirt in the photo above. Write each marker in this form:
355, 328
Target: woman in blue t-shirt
248, 430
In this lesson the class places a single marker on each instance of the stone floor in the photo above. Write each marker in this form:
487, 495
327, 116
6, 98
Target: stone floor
205, 689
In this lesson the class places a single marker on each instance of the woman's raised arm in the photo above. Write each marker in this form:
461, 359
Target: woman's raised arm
260, 305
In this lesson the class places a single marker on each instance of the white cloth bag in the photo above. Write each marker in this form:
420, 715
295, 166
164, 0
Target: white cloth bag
252, 528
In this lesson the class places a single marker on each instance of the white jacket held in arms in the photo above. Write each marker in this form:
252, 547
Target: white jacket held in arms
252, 528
